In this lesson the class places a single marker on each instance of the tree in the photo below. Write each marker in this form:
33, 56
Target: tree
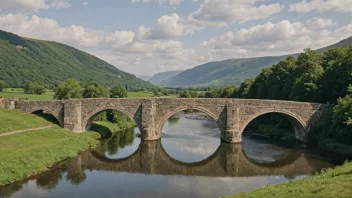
39, 89
243, 91
342, 118
309, 72
2, 85
68, 89
34, 88
337, 75
94, 90
118, 91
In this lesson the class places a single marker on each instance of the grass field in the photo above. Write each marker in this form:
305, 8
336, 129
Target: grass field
28, 153
331, 183
12, 120
19, 93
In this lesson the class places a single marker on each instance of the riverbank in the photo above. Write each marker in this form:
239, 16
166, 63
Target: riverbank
26, 154
13, 120
31, 152
330, 183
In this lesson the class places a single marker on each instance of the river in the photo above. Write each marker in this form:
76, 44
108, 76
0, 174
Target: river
188, 161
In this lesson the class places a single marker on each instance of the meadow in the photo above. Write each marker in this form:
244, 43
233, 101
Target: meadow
49, 94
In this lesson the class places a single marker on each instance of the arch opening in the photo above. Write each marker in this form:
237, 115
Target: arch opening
48, 116
271, 139
190, 134
119, 132
276, 125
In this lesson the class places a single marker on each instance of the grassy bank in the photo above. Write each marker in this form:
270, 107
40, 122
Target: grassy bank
11, 120
330, 183
28, 153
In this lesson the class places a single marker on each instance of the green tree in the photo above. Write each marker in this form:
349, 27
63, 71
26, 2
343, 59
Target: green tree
68, 89
39, 89
118, 91
309, 72
243, 91
342, 118
34, 88
337, 76
2, 85
185, 94
94, 90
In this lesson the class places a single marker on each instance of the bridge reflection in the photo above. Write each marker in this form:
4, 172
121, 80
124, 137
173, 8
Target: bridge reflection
227, 161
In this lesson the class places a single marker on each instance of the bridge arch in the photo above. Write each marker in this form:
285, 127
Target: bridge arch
298, 125
57, 116
88, 119
163, 120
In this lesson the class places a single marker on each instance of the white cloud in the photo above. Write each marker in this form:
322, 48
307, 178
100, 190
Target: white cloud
85, 3
276, 39
170, 26
134, 51
322, 6
169, 2
320, 23
23, 5
224, 12
60, 4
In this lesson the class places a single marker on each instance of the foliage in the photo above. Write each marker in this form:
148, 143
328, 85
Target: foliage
118, 91
48, 63
34, 88
68, 89
2, 85
94, 90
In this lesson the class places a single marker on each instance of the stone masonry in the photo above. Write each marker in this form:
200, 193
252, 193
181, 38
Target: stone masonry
150, 114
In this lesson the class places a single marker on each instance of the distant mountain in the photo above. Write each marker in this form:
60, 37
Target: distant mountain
49, 63
158, 78
144, 77
233, 71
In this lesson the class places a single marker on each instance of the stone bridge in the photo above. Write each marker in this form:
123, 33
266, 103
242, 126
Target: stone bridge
150, 114
227, 161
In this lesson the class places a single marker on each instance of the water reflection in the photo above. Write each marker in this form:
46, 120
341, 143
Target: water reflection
189, 161
190, 137
120, 144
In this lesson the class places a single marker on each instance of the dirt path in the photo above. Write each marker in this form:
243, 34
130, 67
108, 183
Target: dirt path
26, 130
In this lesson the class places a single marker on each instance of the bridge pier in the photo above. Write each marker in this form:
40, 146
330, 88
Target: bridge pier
73, 116
231, 134
149, 129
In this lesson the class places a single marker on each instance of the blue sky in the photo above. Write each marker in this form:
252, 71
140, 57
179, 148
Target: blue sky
145, 37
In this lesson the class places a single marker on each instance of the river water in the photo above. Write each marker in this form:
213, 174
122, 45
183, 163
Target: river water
188, 161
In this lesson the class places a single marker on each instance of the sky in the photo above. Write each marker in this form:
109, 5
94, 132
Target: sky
145, 37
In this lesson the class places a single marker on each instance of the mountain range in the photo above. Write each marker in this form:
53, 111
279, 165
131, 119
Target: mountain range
158, 78
49, 63
232, 71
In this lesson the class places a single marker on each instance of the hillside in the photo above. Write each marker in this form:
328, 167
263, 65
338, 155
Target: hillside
232, 71
49, 63
158, 78
144, 77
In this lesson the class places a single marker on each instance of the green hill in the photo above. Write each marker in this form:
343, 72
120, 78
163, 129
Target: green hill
158, 78
49, 63
233, 71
